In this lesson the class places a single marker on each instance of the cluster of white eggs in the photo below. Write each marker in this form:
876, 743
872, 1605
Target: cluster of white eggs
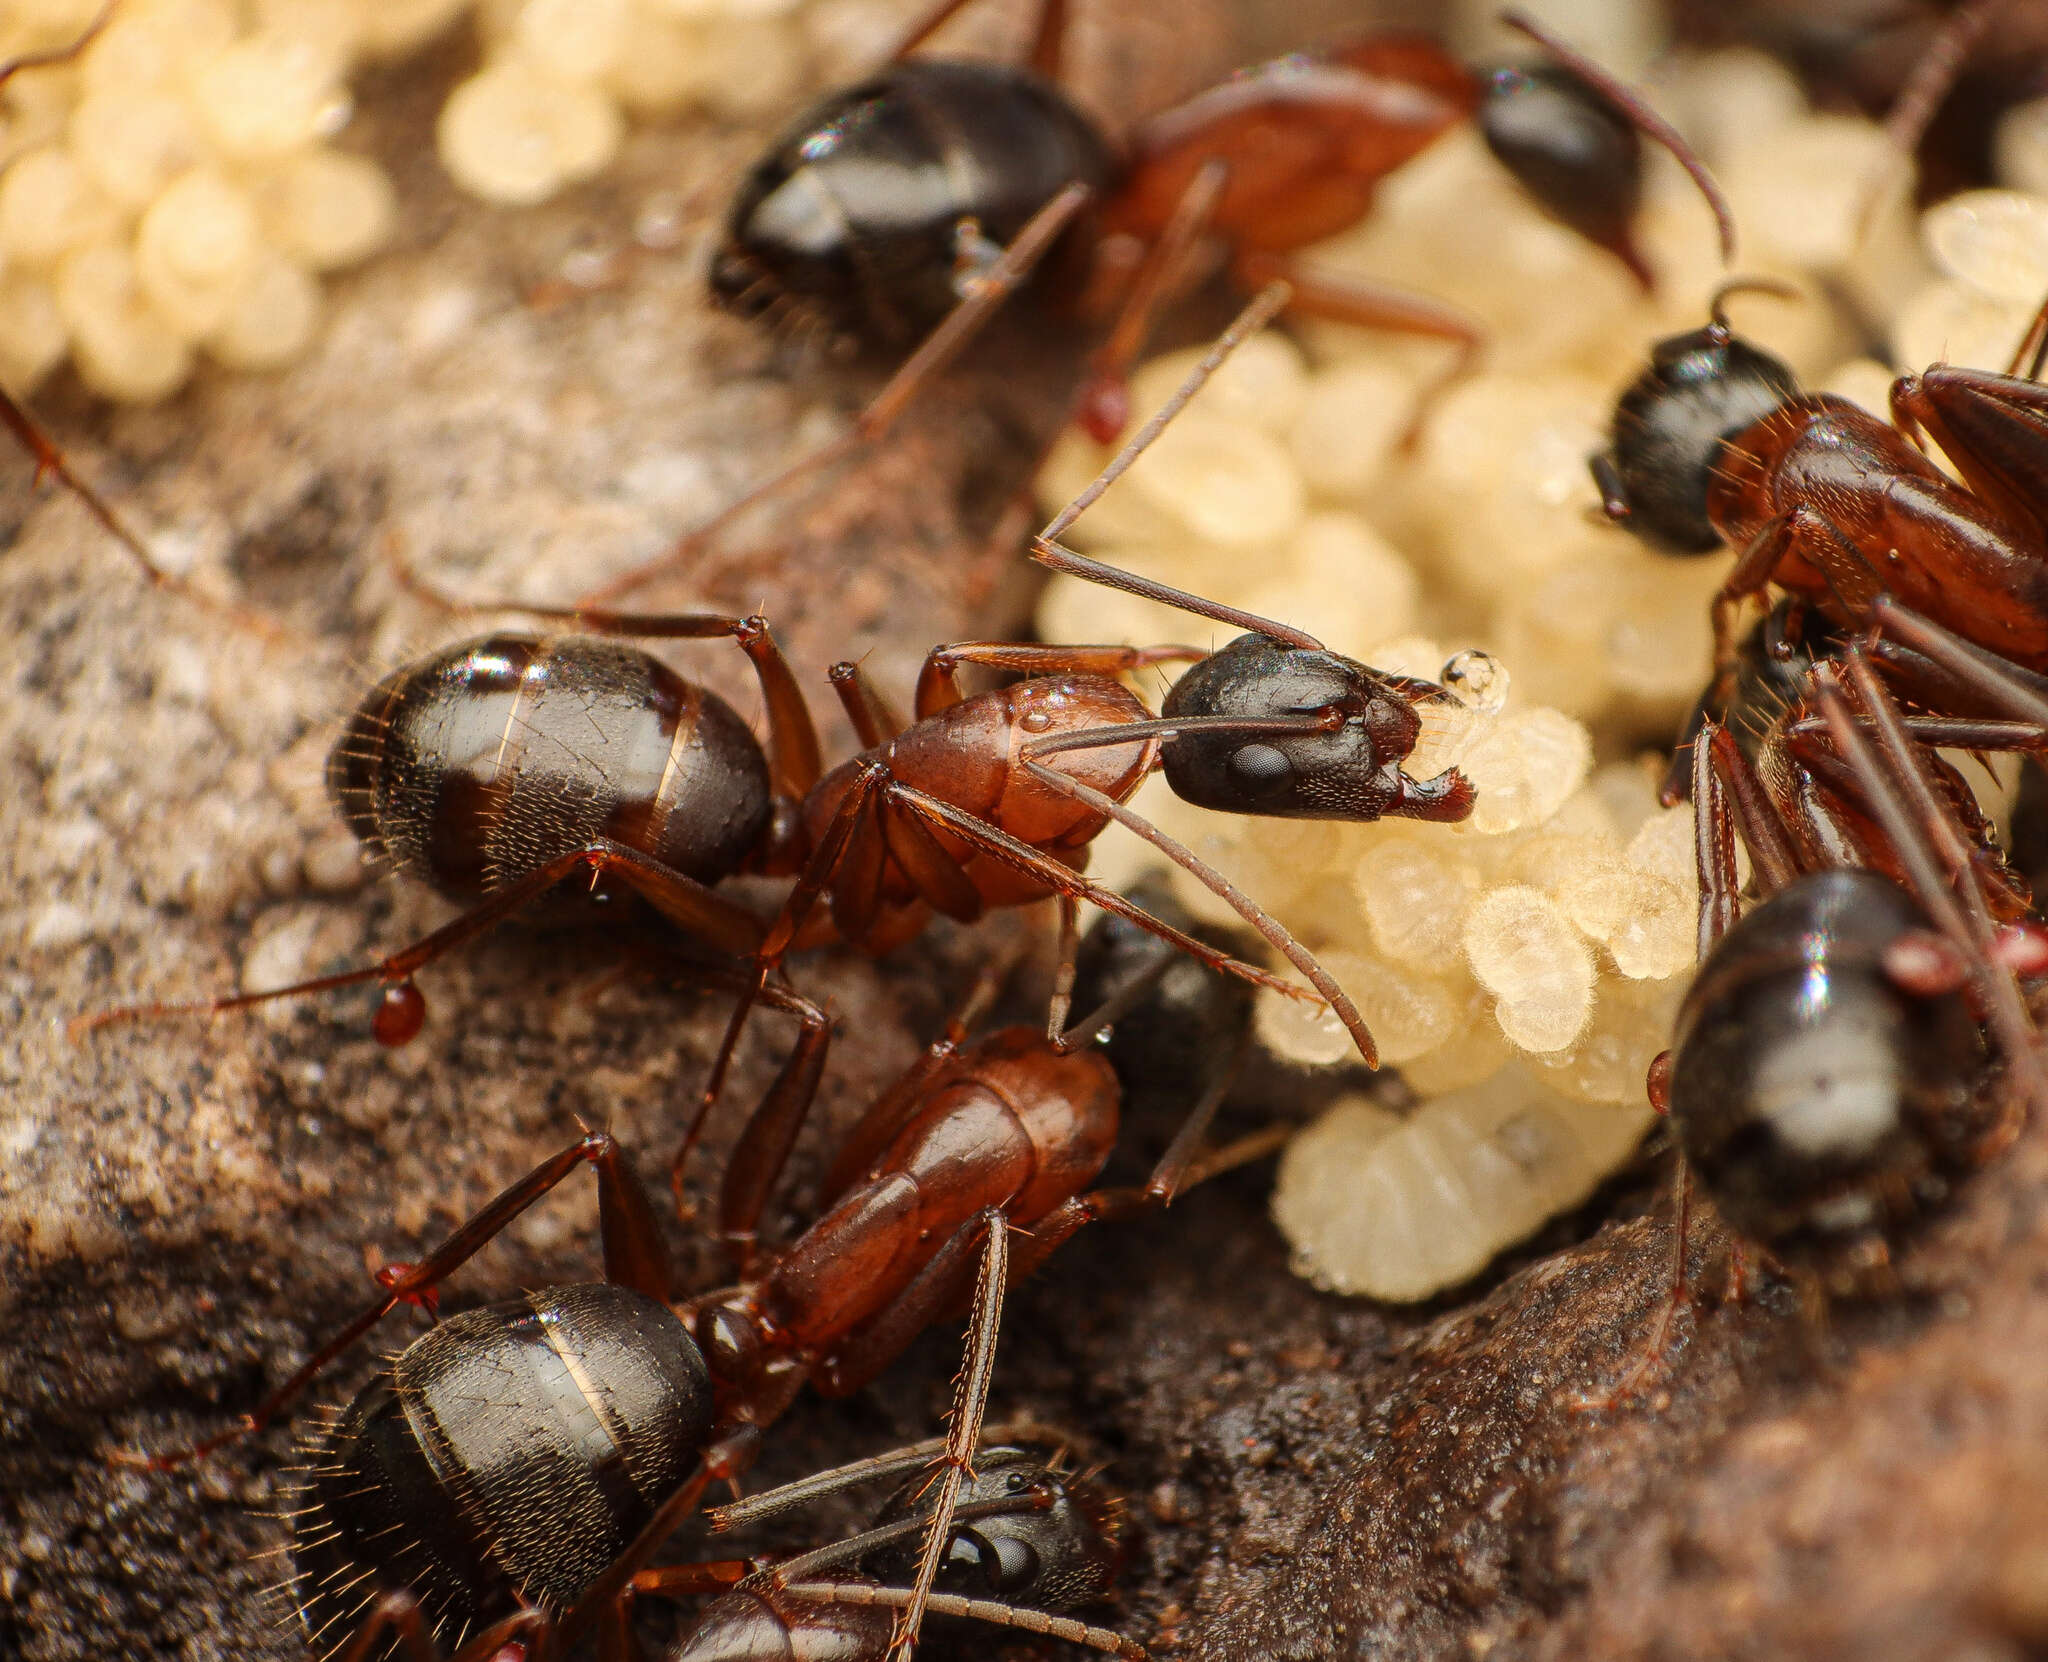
1521, 969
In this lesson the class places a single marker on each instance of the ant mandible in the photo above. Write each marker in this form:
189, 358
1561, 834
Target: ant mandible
501, 769
884, 211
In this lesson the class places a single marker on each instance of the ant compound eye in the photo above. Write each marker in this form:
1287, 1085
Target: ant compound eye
1009, 1566
1260, 767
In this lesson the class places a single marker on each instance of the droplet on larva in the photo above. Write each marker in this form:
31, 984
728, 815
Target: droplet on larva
515, 137
1524, 951
753, 66
266, 95
1414, 896
1994, 240
133, 144
1262, 384
327, 208
2020, 148
32, 336
1798, 190
1226, 481
578, 40
49, 206
1949, 322
1478, 680
274, 314
122, 348
1524, 767
193, 248
1660, 935
1351, 418
662, 65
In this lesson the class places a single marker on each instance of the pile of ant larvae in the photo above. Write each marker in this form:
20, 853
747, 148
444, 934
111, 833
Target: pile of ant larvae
1519, 970
174, 189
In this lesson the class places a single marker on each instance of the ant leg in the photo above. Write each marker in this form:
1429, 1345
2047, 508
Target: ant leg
1800, 530
1920, 828
1713, 844
1043, 1622
1368, 305
1065, 969
50, 462
395, 1615
602, 1599
1991, 427
1275, 933
938, 686
1677, 1298
983, 292
634, 1257
875, 720
682, 900
1932, 78
1763, 833
1103, 405
1998, 681
1063, 879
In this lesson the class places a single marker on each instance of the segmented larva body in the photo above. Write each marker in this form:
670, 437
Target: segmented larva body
1401, 1207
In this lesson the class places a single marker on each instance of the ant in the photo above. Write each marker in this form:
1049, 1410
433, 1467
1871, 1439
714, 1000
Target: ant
883, 212
1827, 1080
643, 1400
1029, 1539
1714, 444
503, 768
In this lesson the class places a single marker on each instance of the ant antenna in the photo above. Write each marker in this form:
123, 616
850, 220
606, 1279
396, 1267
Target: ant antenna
1267, 304
1717, 307
1639, 114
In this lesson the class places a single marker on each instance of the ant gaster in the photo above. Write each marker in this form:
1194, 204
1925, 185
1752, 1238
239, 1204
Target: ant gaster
501, 769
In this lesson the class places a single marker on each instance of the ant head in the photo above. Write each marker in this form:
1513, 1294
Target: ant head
1323, 737
1576, 155
1060, 1548
1701, 389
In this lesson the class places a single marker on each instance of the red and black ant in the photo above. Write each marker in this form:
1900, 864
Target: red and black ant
1827, 1082
1714, 444
634, 1402
884, 211
502, 769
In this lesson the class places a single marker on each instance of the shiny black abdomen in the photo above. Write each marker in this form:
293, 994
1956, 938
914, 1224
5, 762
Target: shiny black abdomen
519, 1447
853, 215
1821, 1104
470, 768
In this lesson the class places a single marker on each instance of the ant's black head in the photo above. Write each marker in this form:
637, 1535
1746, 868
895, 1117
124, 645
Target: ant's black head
1576, 155
1348, 766
1701, 388
1060, 1548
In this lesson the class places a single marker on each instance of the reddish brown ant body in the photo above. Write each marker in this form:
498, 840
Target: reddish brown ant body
1715, 444
638, 1400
